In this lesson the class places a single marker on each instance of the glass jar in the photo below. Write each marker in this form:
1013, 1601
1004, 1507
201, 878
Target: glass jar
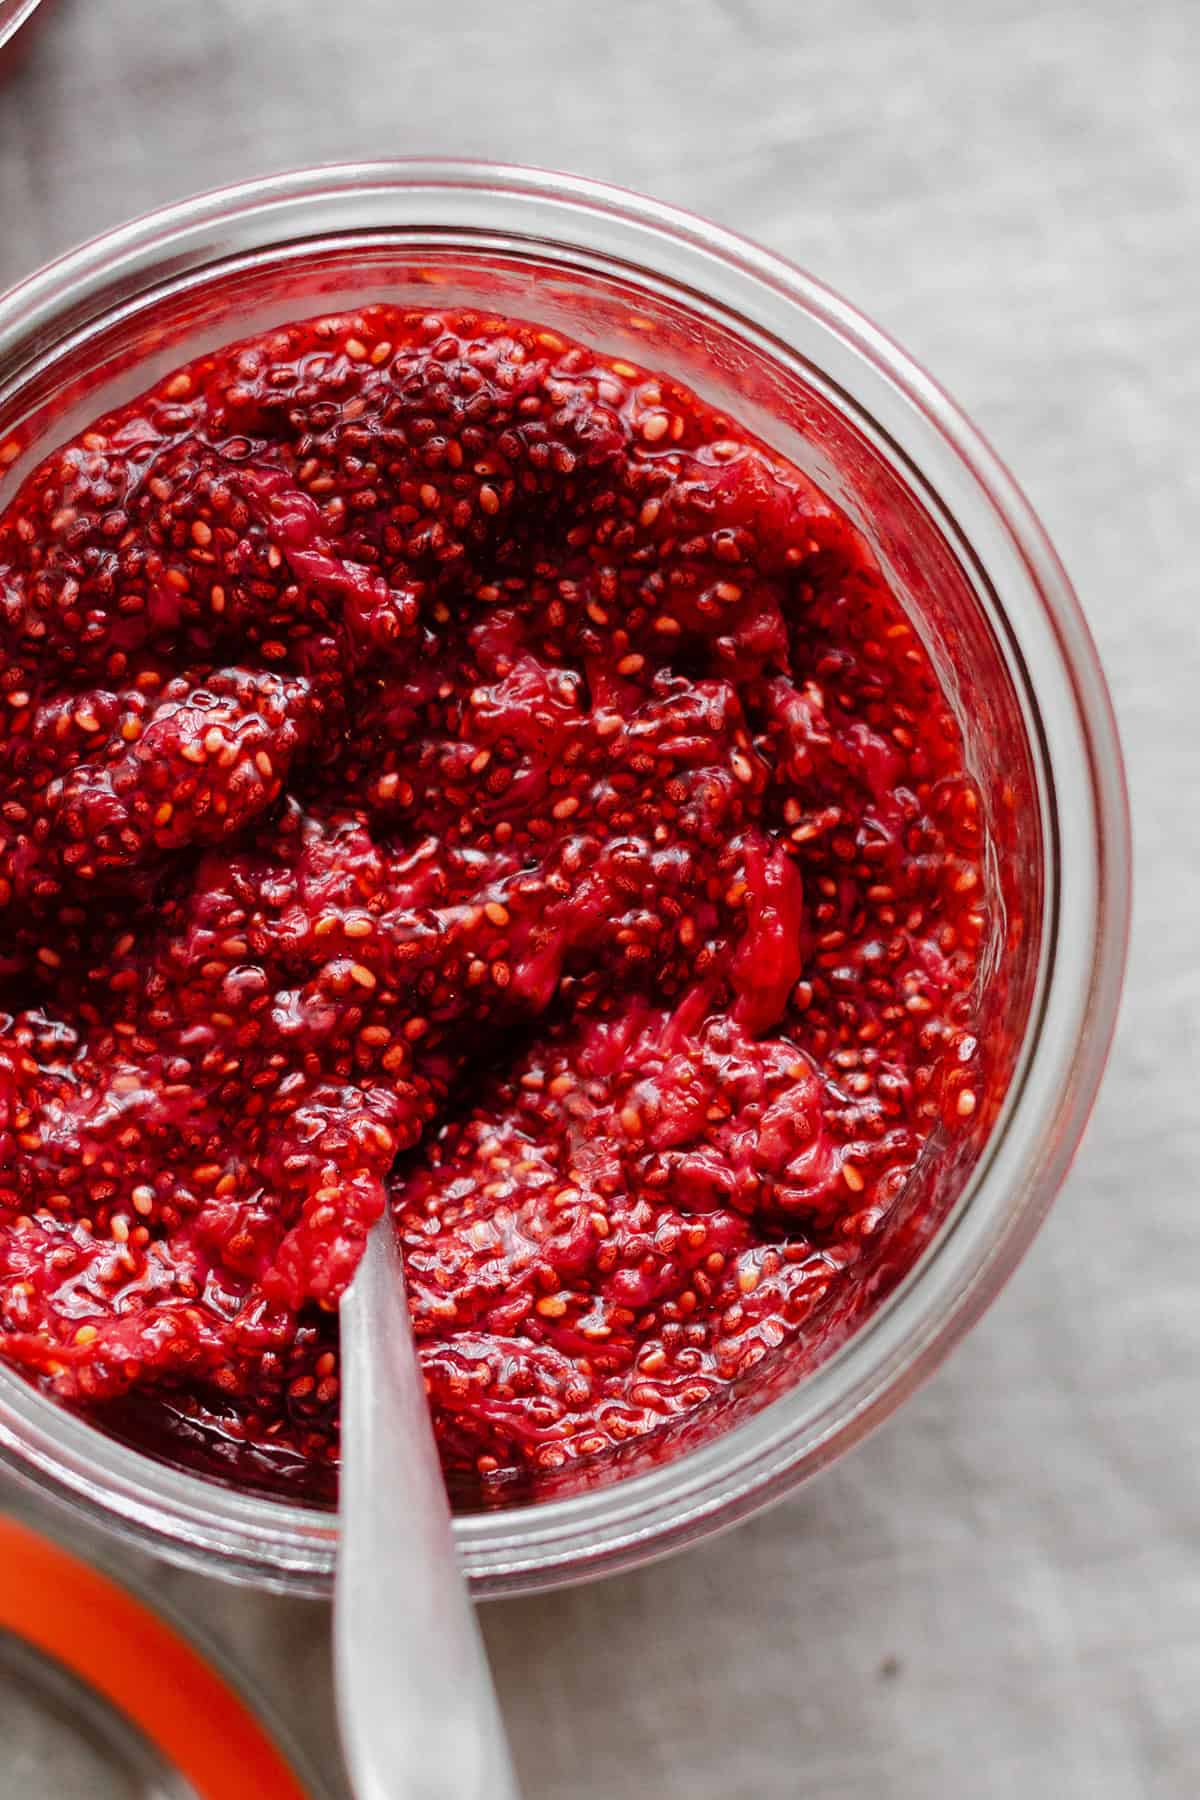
107, 1692
960, 547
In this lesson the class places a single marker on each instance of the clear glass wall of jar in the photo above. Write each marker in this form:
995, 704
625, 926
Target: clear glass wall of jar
962, 549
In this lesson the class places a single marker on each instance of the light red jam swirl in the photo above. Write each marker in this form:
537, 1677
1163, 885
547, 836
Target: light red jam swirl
444, 766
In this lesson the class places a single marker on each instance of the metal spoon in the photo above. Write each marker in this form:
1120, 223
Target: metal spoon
418, 1713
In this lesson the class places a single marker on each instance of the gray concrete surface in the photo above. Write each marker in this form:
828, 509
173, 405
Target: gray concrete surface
999, 1594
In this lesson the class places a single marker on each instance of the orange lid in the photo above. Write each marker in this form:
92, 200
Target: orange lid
119, 1647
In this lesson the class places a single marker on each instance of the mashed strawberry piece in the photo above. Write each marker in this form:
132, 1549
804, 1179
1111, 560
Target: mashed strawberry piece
445, 768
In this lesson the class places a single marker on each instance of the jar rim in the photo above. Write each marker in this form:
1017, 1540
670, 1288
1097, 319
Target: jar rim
13, 14
283, 1544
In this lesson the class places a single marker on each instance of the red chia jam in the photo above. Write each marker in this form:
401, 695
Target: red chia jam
448, 769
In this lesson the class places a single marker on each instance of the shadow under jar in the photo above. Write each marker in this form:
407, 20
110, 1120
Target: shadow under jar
962, 553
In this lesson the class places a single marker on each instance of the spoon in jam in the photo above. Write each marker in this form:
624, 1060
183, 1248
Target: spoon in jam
418, 1712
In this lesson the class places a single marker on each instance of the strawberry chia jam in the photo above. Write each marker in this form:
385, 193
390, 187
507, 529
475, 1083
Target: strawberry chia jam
444, 767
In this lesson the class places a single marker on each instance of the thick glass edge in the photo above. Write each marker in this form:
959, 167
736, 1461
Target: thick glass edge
13, 14
644, 1514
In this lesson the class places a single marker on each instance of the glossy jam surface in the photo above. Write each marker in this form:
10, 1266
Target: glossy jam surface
443, 766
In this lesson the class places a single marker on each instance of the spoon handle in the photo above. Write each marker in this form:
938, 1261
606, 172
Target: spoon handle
418, 1713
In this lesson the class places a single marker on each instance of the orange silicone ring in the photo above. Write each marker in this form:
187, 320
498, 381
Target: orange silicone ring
119, 1647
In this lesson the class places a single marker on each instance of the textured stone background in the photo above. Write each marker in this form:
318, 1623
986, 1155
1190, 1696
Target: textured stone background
999, 1594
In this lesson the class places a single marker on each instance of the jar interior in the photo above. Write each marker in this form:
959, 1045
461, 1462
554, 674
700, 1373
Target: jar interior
126, 338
